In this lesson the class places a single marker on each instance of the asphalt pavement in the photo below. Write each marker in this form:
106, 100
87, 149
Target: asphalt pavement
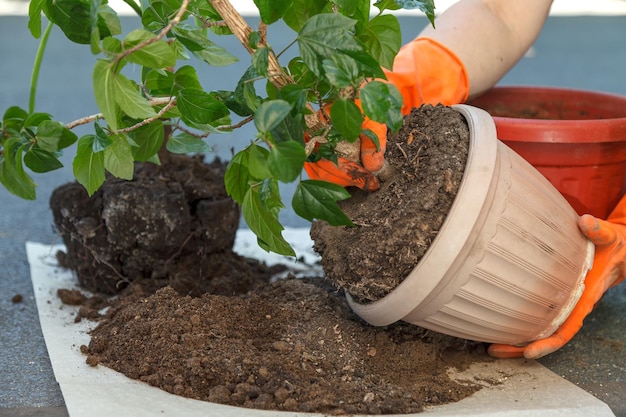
584, 52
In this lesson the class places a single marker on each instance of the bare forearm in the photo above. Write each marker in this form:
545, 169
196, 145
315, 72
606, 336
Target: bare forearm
489, 36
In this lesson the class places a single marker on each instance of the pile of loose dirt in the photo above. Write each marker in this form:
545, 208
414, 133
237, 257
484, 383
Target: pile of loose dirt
293, 345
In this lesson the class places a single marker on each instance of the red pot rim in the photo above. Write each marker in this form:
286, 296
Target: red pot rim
589, 117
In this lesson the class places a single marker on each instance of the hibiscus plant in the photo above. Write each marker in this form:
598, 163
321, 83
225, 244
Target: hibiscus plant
342, 47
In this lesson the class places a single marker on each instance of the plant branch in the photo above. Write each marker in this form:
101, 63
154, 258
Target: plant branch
149, 120
242, 31
222, 127
168, 101
237, 125
176, 20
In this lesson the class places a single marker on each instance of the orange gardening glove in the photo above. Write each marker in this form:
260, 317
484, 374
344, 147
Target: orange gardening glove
609, 269
425, 72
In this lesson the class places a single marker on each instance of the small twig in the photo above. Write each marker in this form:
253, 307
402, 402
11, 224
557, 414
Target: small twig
84, 120
149, 120
180, 249
88, 119
402, 150
237, 125
192, 133
223, 127
176, 20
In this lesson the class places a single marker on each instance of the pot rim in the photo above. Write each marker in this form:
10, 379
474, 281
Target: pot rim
458, 231
605, 130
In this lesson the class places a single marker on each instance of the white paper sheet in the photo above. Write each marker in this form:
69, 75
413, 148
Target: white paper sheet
526, 387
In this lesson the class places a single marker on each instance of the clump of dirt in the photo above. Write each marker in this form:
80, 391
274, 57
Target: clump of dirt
173, 225
193, 318
396, 224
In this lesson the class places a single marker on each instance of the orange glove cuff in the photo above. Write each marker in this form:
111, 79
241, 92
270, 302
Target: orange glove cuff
425, 71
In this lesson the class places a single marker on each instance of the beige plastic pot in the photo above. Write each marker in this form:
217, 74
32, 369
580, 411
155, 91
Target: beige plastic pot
508, 264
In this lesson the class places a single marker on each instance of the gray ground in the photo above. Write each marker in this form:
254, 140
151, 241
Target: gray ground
578, 52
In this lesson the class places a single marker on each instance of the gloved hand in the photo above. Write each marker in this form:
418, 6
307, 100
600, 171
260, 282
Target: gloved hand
425, 72
608, 270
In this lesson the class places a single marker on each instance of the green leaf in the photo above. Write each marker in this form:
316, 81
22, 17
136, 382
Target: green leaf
259, 212
35, 119
286, 160
291, 128
296, 95
348, 7
300, 11
368, 66
383, 38
386, 5
130, 100
185, 143
13, 120
341, 70
382, 103
12, 174
156, 14
347, 119
186, 77
271, 10
104, 91
257, 162
302, 74
149, 140
228, 98
108, 21
394, 115
324, 35
34, 13
41, 161
182, 54
154, 55
270, 114
196, 41
426, 6
101, 140
118, 158
111, 47
74, 17
245, 92
237, 176
201, 108
315, 199
159, 83
260, 59
94, 38
373, 137
253, 39
53, 136
88, 167
192, 39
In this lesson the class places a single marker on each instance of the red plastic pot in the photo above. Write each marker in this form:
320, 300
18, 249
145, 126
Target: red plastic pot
575, 138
